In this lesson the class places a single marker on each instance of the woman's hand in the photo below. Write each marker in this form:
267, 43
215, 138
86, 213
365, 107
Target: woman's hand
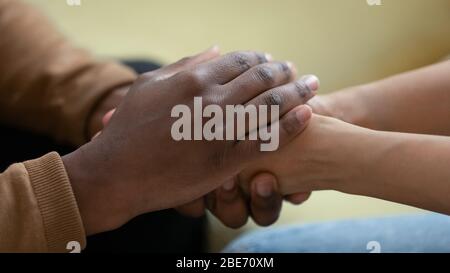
331, 154
328, 154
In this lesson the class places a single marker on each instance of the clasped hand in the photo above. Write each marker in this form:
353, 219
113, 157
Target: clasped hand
134, 166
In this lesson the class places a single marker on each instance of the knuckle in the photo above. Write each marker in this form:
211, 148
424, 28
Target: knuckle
242, 60
262, 58
284, 67
265, 74
273, 98
302, 89
192, 80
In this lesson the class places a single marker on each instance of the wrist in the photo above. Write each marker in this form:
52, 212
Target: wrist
364, 155
340, 155
352, 105
94, 192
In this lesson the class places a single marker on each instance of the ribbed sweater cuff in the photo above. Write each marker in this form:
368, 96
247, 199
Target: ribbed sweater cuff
56, 201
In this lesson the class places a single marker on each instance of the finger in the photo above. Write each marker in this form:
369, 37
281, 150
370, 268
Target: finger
298, 198
257, 80
286, 97
107, 117
105, 120
265, 202
227, 67
96, 135
320, 106
282, 132
194, 209
228, 204
289, 95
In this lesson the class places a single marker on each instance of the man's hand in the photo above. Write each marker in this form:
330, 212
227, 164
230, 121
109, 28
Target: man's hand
317, 165
105, 108
135, 166
229, 203
233, 206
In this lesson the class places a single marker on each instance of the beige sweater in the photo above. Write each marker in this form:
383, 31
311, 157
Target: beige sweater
49, 87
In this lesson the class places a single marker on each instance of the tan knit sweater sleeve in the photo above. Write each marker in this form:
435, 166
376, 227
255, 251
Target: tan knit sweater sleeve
38, 210
49, 87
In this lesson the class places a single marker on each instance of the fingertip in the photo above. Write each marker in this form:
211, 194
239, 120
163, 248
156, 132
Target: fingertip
312, 81
194, 209
266, 202
107, 117
303, 113
229, 207
298, 198
263, 185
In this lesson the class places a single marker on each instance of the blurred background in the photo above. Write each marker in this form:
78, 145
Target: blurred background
344, 42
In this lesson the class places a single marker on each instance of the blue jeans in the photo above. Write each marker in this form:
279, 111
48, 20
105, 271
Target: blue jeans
404, 234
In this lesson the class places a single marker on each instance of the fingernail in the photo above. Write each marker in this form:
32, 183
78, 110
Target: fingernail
268, 57
303, 114
264, 189
312, 82
228, 186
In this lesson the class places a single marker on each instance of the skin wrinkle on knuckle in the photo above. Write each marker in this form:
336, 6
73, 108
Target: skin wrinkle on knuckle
285, 69
273, 98
302, 89
265, 74
242, 60
193, 80
215, 96
261, 58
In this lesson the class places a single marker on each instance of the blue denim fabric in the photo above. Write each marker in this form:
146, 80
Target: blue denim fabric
405, 234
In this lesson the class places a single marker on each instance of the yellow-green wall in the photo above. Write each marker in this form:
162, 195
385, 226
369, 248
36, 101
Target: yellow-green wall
345, 42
